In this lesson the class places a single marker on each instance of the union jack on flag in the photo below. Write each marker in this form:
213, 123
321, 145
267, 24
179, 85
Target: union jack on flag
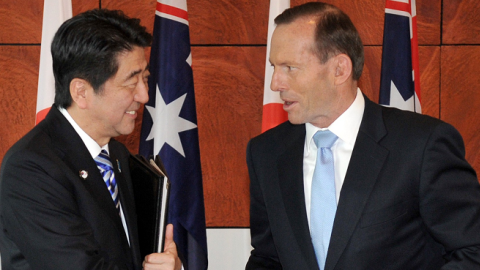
400, 77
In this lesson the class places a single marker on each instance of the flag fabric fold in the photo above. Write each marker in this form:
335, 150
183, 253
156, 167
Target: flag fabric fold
169, 129
55, 12
400, 76
273, 113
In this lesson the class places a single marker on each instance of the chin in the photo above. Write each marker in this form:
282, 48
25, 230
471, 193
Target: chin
126, 131
296, 121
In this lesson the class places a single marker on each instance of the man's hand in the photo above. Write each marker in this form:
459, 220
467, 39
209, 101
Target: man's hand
168, 259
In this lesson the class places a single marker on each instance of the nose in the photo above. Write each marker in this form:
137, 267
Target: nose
141, 94
276, 84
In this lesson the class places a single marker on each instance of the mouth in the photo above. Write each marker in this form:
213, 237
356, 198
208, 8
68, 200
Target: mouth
287, 104
132, 113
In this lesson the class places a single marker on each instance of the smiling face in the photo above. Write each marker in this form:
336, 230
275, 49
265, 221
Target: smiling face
306, 86
112, 112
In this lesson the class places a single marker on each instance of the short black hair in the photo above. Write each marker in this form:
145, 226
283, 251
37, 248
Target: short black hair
334, 32
87, 45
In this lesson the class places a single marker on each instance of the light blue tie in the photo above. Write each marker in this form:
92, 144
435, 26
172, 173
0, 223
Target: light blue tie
106, 169
323, 202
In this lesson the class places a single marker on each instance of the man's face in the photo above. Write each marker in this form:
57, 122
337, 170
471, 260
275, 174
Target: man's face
113, 111
306, 86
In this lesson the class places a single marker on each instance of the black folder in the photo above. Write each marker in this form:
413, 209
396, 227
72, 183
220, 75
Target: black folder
151, 192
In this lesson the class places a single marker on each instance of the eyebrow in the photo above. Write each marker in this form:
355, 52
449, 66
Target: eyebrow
135, 72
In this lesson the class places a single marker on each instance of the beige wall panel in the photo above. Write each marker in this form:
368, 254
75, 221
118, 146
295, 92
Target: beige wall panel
460, 96
461, 22
229, 96
18, 93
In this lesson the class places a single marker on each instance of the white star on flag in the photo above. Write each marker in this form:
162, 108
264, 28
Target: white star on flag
397, 101
167, 124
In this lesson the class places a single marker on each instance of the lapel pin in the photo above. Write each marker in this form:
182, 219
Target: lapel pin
83, 174
118, 166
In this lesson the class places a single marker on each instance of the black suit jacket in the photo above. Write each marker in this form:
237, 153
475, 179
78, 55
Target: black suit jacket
409, 199
50, 217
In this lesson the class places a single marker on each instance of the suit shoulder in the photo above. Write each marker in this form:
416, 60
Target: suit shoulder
278, 134
36, 141
410, 120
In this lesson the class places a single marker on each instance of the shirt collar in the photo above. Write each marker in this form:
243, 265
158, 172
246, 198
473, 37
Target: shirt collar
346, 126
93, 148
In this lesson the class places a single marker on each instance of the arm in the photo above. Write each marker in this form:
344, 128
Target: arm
450, 199
264, 255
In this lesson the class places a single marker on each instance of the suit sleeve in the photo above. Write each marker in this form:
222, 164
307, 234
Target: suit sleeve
450, 199
263, 255
41, 219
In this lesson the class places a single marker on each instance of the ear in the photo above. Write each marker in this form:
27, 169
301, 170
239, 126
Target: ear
343, 68
79, 91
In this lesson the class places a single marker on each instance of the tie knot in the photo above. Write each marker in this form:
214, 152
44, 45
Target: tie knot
103, 160
324, 139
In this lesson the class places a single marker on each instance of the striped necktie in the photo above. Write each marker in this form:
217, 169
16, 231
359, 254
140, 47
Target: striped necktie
106, 169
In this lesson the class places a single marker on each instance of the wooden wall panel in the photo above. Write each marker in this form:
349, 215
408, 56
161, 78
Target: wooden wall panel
21, 21
229, 95
460, 96
369, 82
79, 6
144, 10
428, 21
429, 76
461, 23
228, 21
368, 17
430, 80
211, 22
369, 26
18, 91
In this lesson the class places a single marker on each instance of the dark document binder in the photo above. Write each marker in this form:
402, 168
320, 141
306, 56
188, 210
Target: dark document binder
151, 193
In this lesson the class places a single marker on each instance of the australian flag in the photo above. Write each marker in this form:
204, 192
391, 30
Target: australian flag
400, 77
169, 129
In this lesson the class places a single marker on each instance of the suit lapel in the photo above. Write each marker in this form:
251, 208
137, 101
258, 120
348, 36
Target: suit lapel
365, 164
122, 175
81, 160
290, 174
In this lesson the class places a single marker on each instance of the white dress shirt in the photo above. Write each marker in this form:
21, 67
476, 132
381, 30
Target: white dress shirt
94, 150
346, 128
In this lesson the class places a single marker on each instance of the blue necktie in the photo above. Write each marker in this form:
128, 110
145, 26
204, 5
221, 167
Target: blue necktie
106, 169
323, 203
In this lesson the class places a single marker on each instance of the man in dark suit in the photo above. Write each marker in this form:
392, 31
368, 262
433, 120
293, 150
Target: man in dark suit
57, 211
405, 196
